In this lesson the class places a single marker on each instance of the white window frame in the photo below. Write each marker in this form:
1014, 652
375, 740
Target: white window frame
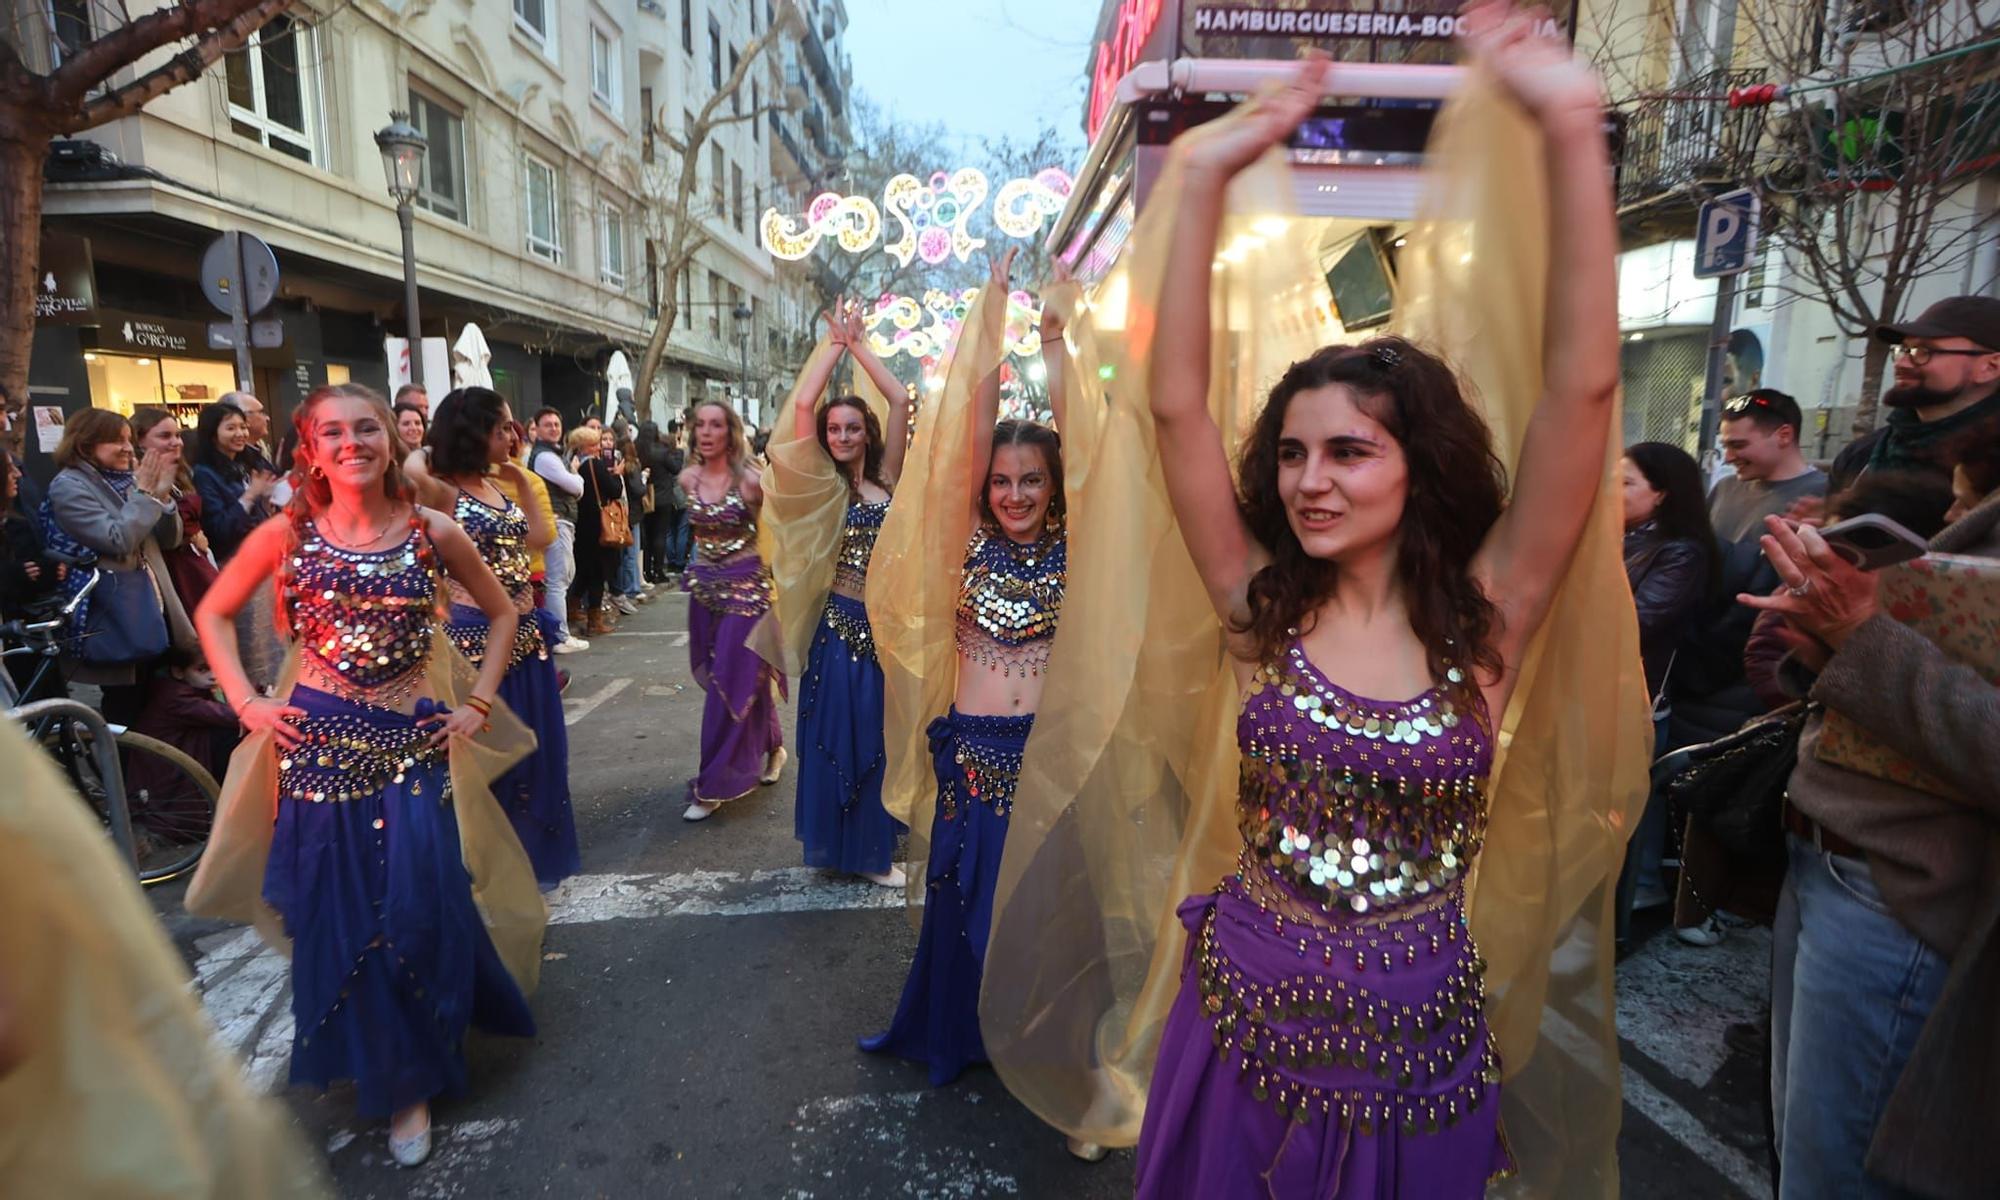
310, 106
545, 38
611, 260
549, 249
458, 208
612, 95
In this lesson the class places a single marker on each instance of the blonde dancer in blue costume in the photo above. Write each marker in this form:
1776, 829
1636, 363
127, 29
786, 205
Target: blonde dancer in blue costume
826, 496
357, 828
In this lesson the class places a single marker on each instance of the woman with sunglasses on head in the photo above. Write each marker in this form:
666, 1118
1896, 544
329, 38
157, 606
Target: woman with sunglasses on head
408, 905
828, 492
1006, 484
468, 453
1378, 594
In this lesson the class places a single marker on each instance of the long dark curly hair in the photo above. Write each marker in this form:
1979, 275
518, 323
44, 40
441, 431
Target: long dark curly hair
1011, 432
871, 459
1456, 490
462, 429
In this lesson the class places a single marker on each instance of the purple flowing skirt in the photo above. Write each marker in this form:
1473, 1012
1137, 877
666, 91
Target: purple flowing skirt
937, 1019
839, 816
739, 720
1385, 1109
390, 961
534, 793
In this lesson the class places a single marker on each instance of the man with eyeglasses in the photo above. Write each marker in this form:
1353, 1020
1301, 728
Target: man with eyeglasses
1947, 382
1760, 439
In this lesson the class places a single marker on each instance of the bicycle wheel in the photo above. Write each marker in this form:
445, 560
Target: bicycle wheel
172, 798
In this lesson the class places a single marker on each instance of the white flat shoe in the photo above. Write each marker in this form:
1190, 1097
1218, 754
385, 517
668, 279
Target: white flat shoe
774, 766
892, 878
700, 810
1089, 1152
571, 645
411, 1151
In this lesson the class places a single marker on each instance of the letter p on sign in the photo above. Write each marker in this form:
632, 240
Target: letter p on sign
1726, 235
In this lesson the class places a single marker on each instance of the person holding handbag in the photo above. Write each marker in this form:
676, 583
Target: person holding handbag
601, 525
104, 512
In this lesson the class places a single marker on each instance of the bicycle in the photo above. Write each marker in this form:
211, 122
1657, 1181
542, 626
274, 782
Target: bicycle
176, 798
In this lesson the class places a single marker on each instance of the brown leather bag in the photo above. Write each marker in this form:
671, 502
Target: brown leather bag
615, 528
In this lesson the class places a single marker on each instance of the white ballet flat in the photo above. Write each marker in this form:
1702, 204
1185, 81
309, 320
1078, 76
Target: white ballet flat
1089, 1152
774, 767
892, 878
411, 1151
700, 810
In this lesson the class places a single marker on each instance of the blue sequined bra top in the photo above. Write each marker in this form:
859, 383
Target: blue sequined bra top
721, 530
1350, 806
858, 531
501, 536
365, 617
1009, 598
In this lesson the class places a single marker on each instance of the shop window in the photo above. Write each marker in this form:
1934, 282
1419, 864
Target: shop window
274, 89
544, 210
442, 190
123, 382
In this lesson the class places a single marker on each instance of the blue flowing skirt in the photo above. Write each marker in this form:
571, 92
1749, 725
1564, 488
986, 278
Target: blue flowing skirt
937, 1019
534, 793
839, 815
390, 961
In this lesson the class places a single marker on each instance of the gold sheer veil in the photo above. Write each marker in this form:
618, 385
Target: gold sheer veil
805, 503
1126, 800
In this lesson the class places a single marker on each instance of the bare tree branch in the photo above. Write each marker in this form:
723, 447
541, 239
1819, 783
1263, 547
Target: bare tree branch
185, 67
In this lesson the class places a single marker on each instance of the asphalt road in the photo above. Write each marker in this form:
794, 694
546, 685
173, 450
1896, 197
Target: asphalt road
701, 993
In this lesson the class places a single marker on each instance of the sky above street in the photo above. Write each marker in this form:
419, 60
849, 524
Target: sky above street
981, 68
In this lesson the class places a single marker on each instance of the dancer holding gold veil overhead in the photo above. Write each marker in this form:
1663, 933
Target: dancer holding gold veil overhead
1393, 706
975, 543
833, 467
358, 811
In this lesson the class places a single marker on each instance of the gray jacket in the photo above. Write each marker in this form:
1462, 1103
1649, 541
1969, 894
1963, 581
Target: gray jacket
1937, 863
126, 534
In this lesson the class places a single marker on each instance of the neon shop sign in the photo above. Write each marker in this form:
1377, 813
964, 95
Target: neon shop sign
1134, 23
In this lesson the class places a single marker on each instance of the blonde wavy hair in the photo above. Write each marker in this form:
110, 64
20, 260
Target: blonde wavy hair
739, 441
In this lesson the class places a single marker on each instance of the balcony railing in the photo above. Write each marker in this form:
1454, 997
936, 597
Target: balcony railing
1674, 142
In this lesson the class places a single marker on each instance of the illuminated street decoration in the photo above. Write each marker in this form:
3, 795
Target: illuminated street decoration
933, 218
1022, 205
899, 198
853, 222
902, 325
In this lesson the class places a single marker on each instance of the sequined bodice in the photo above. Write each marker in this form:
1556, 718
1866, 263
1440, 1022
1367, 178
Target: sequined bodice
858, 532
723, 529
365, 617
1009, 599
501, 535
1351, 805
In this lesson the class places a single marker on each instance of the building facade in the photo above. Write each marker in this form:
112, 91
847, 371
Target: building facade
532, 217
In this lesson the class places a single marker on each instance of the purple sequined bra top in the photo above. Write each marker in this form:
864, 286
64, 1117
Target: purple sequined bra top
365, 617
725, 573
1350, 807
721, 530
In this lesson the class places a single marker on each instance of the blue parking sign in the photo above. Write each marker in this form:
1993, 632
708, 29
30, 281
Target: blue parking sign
1725, 235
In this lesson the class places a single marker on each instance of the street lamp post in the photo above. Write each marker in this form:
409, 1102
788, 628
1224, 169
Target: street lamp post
743, 313
403, 147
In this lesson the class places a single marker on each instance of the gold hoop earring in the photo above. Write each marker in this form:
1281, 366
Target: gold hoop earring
318, 472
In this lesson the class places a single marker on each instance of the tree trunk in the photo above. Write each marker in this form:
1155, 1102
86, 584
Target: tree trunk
24, 145
663, 328
1874, 365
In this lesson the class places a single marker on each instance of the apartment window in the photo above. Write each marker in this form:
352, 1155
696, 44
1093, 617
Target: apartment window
652, 280
604, 66
442, 189
687, 25
756, 103
648, 131
611, 248
753, 18
687, 297
70, 27
274, 89
715, 174
736, 196
544, 185
735, 95
715, 306
532, 18
714, 54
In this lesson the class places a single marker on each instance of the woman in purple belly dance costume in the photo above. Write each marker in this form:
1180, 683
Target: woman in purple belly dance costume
742, 745
367, 865
467, 449
1328, 1039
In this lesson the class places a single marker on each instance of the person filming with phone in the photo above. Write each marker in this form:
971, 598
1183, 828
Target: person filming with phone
1886, 963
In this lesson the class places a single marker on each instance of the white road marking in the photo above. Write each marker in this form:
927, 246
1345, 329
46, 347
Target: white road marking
1656, 1106
884, 1123
1675, 1000
679, 636
661, 692
589, 898
577, 710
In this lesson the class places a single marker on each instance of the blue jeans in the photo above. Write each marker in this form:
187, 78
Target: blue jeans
1851, 988
627, 582
679, 537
